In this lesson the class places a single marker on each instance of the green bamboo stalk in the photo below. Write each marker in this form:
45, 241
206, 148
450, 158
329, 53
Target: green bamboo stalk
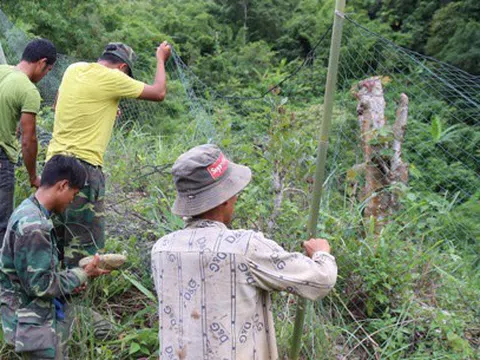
321, 160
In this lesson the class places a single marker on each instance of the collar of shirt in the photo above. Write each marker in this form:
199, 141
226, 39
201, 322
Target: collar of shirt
42, 208
204, 223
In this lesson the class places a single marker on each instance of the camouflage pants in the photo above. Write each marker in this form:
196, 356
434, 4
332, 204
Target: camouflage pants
81, 228
37, 335
7, 187
102, 329
63, 329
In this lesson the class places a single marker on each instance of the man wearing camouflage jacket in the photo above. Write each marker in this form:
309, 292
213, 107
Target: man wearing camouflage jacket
32, 288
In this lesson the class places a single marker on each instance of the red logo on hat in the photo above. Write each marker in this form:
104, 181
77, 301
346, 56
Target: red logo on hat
218, 168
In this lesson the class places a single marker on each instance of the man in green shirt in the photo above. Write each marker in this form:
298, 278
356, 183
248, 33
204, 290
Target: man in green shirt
20, 100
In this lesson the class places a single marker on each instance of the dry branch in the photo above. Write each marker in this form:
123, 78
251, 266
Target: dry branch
278, 178
399, 170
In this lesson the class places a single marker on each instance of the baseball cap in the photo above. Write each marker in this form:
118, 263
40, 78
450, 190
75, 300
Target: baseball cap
124, 52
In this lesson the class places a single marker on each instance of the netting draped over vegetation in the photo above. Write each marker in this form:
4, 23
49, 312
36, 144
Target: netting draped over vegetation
400, 167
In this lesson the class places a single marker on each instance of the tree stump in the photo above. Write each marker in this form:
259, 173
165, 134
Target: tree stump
383, 166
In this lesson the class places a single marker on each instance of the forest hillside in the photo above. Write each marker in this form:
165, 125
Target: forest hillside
401, 200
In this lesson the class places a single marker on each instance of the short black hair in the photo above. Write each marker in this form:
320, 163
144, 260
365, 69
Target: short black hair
111, 58
39, 49
62, 167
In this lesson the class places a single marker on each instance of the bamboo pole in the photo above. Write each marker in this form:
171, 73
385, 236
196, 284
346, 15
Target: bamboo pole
321, 160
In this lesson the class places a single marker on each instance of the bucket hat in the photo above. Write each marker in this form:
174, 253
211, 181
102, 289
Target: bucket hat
205, 178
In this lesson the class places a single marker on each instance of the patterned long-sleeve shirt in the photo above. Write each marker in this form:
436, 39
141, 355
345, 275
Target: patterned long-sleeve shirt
30, 277
213, 288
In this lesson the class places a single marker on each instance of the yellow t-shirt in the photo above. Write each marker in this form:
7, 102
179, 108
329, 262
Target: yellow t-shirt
86, 109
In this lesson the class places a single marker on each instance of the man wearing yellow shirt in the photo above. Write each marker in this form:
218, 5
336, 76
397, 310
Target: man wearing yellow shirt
85, 113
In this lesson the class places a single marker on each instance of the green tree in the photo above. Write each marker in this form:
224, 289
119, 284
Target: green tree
455, 35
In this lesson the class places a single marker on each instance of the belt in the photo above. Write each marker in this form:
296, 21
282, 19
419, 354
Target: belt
98, 167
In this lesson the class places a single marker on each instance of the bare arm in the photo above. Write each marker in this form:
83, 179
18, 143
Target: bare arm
158, 90
29, 146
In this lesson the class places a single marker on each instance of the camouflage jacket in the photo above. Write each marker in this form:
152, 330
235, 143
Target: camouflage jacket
214, 287
30, 279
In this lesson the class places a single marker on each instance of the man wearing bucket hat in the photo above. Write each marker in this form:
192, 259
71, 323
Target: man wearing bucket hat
85, 113
213, 283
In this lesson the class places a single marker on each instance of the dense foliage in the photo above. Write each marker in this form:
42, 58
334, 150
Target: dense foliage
411, 291
206, 29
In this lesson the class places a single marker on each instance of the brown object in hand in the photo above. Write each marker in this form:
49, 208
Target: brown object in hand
107, 261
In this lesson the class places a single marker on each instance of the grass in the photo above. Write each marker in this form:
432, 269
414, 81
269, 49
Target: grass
410, 292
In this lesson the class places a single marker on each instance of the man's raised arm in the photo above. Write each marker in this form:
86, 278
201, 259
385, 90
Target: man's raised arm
158, 90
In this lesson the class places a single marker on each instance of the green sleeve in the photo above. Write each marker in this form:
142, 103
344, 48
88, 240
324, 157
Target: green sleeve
35, 265
31, 101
